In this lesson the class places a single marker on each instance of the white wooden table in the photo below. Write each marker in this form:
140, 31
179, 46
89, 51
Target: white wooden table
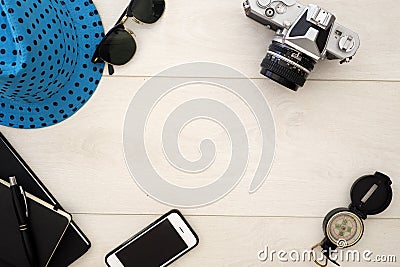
343, 124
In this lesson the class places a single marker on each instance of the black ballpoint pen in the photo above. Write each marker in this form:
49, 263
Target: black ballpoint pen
21, 211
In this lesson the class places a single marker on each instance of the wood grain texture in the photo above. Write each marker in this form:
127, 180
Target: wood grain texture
219, 31
235, 241
343, 124
327, 136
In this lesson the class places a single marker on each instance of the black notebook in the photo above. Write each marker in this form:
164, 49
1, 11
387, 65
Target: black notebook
74, 242
47, 225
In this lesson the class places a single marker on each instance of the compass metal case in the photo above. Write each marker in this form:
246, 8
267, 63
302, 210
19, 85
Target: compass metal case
344, 227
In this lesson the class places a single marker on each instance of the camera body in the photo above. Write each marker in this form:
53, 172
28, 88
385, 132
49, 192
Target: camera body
304, 35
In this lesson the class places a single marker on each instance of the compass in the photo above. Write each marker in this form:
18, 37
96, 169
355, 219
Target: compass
344, 227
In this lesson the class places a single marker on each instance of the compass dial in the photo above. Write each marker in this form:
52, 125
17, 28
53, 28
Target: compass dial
344, 229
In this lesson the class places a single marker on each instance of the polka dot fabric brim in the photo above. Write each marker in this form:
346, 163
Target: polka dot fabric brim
46, 73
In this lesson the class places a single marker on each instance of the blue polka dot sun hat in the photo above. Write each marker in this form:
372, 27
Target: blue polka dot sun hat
46, 73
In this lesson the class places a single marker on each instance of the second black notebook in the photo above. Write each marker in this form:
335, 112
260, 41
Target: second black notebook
47, 225
74, 243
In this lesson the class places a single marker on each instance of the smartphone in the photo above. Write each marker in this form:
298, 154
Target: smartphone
158, 245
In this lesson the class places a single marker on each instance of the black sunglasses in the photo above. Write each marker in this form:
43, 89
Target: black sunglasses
119, 46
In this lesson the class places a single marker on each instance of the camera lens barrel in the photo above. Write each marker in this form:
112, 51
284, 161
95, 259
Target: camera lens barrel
287, 66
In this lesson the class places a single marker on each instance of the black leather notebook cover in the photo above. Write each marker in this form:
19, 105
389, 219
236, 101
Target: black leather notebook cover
47, 226
74, 243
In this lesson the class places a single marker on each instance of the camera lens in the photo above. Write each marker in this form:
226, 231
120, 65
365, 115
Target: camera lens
287, 66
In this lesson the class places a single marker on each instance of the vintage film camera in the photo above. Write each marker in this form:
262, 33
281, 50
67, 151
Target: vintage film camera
304, 36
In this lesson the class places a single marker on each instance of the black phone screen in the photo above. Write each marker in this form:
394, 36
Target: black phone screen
154, 248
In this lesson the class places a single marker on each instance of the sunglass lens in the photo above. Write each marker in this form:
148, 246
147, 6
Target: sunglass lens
147, 11
118, 47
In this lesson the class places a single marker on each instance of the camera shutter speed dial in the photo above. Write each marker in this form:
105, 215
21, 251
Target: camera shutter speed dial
263, 3
347, 43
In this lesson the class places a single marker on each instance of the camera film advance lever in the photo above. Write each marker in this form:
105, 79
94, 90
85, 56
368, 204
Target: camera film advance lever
304, 35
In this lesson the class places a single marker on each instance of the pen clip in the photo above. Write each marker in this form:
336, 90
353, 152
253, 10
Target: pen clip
25, 202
